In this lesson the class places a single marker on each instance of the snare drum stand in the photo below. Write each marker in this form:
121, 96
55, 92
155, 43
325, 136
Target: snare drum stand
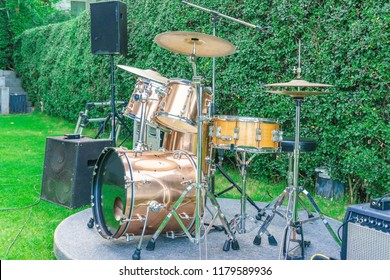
239, 221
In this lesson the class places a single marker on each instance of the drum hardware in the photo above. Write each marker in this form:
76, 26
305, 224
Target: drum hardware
144, 101
153, 206
215, 16
292, 192
83, 119
194, 45
129, 237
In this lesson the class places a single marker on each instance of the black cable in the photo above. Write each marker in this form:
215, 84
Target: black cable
16, 237
22, 207
342, 225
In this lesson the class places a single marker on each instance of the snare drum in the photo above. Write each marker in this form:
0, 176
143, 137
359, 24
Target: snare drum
246, 134
125, 183
178, 108
152, 92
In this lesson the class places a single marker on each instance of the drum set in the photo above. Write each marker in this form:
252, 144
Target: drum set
142, 192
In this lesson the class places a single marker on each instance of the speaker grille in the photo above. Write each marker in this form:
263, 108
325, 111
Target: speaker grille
109, 28
366, 233
365, 243
68, 168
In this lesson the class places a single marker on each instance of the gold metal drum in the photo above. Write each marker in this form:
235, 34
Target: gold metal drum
178, 108
153, 93
175, 140
246, 134
125, 183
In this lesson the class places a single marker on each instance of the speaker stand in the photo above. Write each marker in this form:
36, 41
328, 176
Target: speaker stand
113, 116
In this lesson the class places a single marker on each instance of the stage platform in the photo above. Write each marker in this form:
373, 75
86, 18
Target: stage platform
74, 240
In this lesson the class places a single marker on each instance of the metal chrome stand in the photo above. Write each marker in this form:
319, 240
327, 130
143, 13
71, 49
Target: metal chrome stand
143, 98
201, 191
239, 222
113, 116
294, 224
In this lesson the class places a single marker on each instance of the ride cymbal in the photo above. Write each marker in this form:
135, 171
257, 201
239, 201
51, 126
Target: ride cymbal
148, 74
186, 43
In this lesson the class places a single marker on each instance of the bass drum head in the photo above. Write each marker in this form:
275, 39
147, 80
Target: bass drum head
109, 194
126, 182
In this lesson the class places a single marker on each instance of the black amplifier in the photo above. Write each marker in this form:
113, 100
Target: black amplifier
366, 233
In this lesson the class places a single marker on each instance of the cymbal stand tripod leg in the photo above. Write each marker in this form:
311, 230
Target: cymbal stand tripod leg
294, 225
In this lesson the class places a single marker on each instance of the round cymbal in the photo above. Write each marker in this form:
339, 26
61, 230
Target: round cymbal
205, 45
298, 83
298, 94
148, 74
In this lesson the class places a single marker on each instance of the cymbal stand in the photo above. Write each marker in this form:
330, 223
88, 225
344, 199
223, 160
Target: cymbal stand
293, 226
215, 16
201, 191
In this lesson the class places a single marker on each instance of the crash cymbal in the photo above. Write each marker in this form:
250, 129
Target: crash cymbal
298, 83
183, 42
298, 94
148, 74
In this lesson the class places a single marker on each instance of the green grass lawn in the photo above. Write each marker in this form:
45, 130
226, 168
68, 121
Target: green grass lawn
27, 224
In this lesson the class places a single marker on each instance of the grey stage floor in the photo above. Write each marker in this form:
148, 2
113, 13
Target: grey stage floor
74, 240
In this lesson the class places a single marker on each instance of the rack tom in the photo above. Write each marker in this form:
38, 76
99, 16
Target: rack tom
178, 108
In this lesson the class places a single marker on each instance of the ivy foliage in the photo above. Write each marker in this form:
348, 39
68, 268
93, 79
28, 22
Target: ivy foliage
344, 43
16, 16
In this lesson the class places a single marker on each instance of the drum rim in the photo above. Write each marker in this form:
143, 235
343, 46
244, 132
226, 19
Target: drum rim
179, 81
97, 186
168, 115
243, 118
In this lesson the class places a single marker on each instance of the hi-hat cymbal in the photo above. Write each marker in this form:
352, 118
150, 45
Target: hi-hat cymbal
184, 42
298, 83
298, 94
148, 74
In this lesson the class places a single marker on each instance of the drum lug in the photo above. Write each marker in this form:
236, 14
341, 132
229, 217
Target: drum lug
258, 134
236, 133
218, 132
277, 136
130, 237
155, 206
211, 131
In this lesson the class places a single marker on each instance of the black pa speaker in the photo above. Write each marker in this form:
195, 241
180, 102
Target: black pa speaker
366, 233
68, 169
108, 28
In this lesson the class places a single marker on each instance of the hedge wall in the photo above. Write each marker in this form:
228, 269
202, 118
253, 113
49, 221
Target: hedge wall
344, 43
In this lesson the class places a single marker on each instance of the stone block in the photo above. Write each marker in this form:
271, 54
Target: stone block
4, 100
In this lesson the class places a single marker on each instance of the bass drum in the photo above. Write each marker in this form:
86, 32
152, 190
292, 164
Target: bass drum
125, 183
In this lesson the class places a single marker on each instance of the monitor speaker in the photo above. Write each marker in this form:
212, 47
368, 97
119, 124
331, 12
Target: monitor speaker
68, 170
108, 28
366, 233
